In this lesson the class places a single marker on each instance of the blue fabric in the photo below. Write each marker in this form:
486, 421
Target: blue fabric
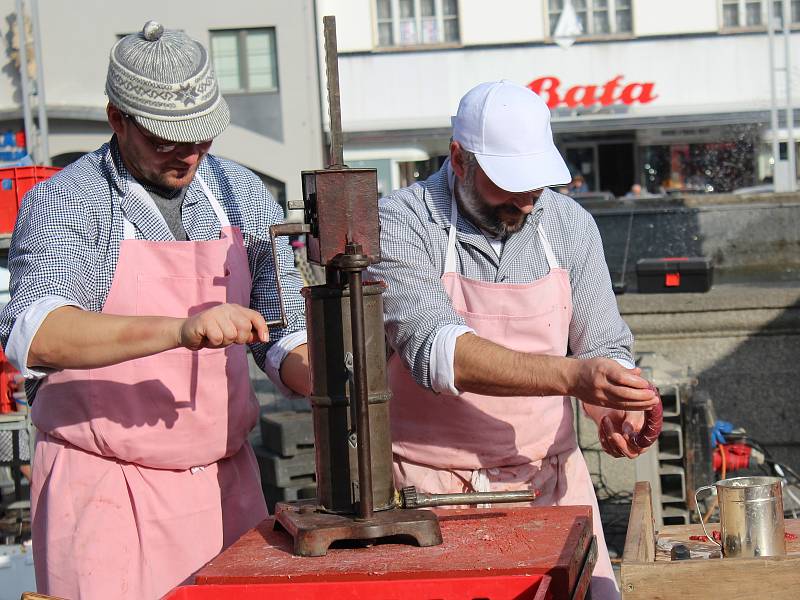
718, 432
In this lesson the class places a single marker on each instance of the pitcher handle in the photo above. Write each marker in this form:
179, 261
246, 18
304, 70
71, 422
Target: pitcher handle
700, 516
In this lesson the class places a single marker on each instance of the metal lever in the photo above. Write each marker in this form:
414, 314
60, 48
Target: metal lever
275, 231
334, 101
411, 498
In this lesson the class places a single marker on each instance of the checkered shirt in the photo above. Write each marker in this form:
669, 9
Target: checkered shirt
414, 227
67, 237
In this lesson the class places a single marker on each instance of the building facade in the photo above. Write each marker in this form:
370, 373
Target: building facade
263, 52
671, 95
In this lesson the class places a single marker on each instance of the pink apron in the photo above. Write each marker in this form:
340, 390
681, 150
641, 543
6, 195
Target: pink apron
451, 444
142, 470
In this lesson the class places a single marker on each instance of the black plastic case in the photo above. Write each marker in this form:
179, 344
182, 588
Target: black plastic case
674, 275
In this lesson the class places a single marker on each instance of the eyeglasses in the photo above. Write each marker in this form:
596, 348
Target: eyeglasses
159, 145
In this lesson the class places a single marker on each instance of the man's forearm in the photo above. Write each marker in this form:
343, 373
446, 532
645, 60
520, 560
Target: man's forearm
72, 338
490, 369
484, 367
294, 371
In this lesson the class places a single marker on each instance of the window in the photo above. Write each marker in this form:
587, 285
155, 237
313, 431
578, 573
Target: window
416, 22
597, 17
753, 13
245, 60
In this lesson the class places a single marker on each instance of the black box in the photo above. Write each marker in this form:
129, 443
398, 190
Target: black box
674, 275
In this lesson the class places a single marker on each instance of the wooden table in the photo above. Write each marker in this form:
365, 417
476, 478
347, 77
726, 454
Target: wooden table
646, 575
555, 541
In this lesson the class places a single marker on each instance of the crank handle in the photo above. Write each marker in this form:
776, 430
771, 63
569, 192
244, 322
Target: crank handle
411, 498
275, 231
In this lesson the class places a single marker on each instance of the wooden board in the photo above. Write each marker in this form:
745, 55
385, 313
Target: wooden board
477, 542
644, 578
681, 533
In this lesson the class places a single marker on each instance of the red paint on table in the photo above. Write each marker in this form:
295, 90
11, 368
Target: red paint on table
477, 542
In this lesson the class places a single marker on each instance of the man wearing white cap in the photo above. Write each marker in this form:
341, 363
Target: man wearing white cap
138, 274
493, 281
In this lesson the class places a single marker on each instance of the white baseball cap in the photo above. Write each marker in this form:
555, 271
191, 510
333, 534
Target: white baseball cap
507, 127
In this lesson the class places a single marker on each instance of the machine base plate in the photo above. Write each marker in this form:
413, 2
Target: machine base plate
314, 531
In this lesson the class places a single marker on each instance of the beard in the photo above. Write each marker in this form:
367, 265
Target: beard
500, 221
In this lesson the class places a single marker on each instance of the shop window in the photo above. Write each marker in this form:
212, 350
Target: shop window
418, 170
596, 17
753, 13
718, 167
416, 22
245, 60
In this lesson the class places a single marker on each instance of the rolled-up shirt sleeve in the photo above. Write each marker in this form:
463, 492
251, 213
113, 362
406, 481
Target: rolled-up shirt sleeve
416, 305
274, 358
443, 358
51, 261
25, 328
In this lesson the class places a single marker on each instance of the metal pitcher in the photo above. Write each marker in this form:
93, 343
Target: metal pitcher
750, 515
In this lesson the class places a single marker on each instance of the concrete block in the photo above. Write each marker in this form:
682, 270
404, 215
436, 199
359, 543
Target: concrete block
671, 400
287, 433
307, 488
281, 471
672, 515
673, 483
670, 442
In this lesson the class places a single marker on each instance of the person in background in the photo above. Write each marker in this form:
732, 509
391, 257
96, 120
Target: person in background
499, 307
635, 191
139, 275
578, 185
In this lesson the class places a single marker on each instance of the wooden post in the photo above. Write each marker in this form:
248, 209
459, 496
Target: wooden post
640, 541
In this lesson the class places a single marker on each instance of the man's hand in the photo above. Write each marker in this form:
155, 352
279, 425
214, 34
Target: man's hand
222, 326
605, 383
616, 430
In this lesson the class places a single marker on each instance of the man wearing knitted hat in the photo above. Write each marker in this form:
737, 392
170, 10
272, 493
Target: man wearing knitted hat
138, 275
493, 280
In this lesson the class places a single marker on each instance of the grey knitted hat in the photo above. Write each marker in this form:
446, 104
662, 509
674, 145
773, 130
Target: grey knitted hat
164, 79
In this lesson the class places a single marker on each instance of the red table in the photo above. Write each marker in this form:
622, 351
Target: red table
554, 541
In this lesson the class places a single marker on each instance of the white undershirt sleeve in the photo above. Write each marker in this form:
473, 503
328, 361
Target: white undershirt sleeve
625, 363
442, 360
275, 356
25, 327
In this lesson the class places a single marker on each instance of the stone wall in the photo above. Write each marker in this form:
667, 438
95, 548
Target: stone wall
746, 235
742, 343
741, 340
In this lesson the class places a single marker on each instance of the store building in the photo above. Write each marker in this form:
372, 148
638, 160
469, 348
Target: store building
263, 52
671, 95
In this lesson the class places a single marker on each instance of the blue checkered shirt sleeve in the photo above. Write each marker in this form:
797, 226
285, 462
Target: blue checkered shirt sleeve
66, 240
414, 227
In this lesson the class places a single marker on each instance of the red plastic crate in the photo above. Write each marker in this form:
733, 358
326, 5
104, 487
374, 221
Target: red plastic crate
14, 183
7, 373
509, 587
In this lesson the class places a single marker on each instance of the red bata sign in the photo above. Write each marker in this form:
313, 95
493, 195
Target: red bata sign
613, 92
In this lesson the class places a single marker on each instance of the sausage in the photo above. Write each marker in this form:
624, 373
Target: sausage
653, 421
